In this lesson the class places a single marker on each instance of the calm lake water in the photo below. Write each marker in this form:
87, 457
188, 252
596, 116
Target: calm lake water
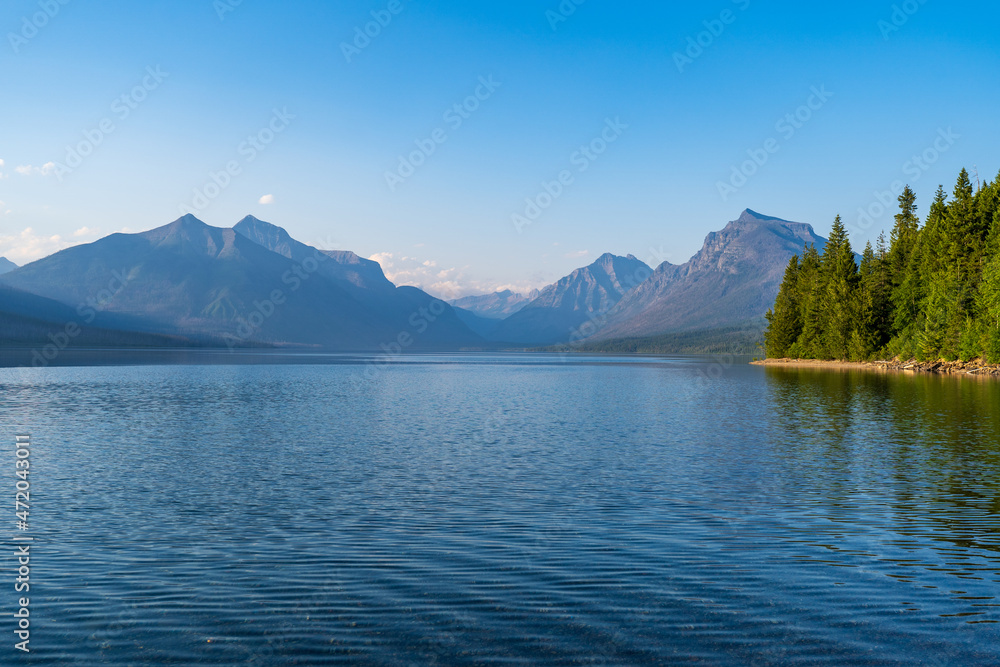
504, 509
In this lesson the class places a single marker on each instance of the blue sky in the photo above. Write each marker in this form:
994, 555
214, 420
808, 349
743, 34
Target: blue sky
201, 77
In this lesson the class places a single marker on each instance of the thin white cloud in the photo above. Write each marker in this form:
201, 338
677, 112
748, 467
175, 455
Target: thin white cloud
266, 199
577, 254
85, 231
450, 283
27, 246
29, 170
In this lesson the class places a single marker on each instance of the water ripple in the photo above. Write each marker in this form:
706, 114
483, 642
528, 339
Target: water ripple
478, 509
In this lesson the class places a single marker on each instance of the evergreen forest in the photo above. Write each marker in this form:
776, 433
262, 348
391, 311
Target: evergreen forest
932, 291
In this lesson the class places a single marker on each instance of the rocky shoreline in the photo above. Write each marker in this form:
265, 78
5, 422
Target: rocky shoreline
976, 367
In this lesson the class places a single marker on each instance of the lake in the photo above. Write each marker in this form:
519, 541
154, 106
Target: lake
503, 509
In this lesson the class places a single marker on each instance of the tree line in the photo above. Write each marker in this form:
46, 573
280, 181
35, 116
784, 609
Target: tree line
932, 292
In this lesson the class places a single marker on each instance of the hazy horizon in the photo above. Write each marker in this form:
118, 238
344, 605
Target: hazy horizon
298, 117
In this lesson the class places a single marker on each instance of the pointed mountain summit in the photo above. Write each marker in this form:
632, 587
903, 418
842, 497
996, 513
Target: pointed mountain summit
188, 235
270, 236
561, 308
6, 266
189, 278
347, 266
363, 279
733, 279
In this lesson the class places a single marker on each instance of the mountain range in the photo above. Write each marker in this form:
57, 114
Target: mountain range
253, 284
496, 306
563, 307
733, 279
730, 283
483, 312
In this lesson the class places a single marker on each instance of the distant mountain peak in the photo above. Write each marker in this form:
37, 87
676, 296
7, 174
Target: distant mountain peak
6, 266
271, 236
608, 260
495, 306
749, 215
252, 221
346, 265
562, 307
732, 280
188, 221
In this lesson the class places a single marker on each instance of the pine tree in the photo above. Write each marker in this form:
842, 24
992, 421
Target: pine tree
905, 269
810, 289
934, 241
882, 287
934, 342
840, 275
989, 299
785, 320
904, 235
965, 248
863, 344
941, 262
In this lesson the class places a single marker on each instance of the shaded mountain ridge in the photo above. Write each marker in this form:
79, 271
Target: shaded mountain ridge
254, 284
561, 308
732, 280
188, 278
